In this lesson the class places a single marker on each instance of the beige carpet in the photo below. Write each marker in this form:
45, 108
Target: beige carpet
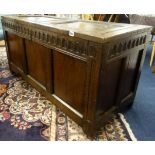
2, 43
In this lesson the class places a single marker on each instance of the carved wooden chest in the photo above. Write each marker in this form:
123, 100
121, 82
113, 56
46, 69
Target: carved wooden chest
87, 69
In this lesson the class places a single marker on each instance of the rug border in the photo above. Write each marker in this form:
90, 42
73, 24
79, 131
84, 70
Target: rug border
132, 136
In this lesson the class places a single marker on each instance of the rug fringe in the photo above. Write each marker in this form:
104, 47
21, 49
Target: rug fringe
127, 127
52, 125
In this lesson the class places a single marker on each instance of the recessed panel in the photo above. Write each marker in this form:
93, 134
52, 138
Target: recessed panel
131, 73
69, 80
39, 63
16, 50
108, 88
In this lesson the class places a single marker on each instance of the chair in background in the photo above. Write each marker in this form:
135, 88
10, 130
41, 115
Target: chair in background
146, 20
153, 50
87, 16
117, 18
152, 55
2, 43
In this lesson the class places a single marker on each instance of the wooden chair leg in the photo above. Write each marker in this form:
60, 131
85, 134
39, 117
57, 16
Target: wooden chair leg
152, 54
110, 18
153, 69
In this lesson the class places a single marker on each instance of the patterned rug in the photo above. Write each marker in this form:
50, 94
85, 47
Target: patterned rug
25, 115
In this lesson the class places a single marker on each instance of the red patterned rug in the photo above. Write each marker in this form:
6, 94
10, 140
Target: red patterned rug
26, 115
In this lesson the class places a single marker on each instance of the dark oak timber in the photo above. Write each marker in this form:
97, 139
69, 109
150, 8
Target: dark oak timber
88, 69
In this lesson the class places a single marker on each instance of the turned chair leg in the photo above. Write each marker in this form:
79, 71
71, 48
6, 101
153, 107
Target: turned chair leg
152, 54
153, 69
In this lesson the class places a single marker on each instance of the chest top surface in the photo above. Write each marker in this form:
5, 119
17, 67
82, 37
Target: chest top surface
89, 30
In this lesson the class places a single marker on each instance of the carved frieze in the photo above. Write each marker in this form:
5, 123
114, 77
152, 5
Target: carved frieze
119, 47
51, 39
16, 28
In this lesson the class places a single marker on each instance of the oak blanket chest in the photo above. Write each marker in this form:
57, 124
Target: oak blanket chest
88, 69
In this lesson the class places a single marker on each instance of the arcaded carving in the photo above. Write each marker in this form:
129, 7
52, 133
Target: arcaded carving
50, 39
118, 48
